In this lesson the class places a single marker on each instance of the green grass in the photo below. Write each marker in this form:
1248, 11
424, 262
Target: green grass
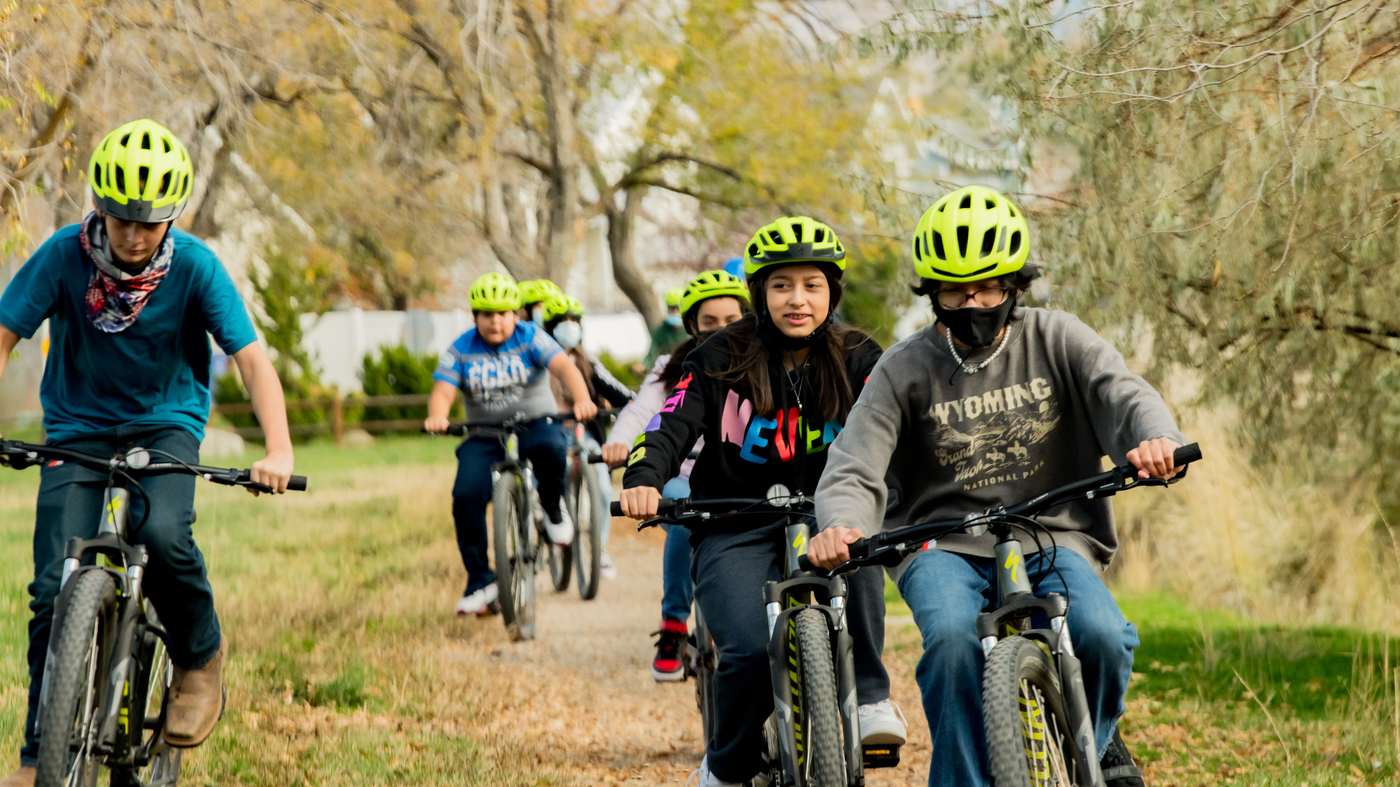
341, 659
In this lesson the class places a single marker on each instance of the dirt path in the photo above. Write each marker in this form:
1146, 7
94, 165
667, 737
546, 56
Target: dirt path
582, 695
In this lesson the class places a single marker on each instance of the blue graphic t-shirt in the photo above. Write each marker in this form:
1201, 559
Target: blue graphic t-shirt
155, 372
505, 380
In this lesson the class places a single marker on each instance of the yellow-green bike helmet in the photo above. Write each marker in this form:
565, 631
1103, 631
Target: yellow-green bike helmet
141, 172
562, 306
712, 284
673, 298
973, 233
792, 240
538, 290
494, 292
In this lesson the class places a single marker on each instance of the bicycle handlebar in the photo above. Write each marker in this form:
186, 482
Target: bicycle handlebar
889, 547
29, 453
460, 430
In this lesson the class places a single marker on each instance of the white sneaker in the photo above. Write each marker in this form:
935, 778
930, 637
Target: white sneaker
882, 723
561, 533
477, 603
606, 569
708, 779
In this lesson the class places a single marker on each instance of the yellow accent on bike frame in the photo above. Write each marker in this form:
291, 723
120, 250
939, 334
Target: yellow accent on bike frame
800, 543
112, 507
1013, 562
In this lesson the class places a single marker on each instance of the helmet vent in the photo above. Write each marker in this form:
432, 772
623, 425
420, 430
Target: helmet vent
962, 241
165, 185
1011, 209
819, 236
918, 255
942, 205
1015, 243
754, 251
775, 236
145, 141
938, 247
989, 241
142, 174
991, 204
121, 178
126, 139
966, 201
797, 232
166, 143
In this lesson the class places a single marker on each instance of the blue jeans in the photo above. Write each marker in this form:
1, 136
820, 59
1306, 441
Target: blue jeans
677, 590
545, 445
945, 592
70, 504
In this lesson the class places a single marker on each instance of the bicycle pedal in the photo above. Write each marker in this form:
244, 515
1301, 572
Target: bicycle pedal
880, 755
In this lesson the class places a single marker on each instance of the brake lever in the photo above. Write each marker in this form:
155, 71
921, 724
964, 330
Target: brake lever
257, 487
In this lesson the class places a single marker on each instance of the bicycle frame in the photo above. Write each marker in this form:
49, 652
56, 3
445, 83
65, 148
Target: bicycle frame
126, 563
799, 590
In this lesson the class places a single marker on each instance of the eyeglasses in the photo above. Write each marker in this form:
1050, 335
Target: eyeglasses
985, 297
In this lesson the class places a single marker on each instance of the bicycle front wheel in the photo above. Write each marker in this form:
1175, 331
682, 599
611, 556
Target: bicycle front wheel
816, 710
515, 570
1023, 713
586, 507
77, 678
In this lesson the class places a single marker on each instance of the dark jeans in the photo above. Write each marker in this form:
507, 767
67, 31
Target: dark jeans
70, 504
545, 444
945, 593
729, 571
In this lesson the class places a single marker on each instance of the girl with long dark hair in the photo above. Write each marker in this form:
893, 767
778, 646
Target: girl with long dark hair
768, 394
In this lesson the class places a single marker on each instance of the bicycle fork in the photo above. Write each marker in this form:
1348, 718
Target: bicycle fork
1016, 603
782, 606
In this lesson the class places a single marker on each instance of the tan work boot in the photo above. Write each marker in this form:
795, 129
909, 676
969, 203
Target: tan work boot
24, 777
196, 701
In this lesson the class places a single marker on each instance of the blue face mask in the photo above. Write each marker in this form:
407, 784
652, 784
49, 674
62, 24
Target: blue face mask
673, 320
568, 334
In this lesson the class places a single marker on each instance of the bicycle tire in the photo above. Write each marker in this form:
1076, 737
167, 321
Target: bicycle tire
705, 662
77, 678
587, 509
530, 533
823, 760
1023, 715
513, 570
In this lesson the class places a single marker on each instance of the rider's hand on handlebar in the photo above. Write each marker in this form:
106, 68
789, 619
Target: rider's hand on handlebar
275, 470
584, 410
436, 424
614, 454
639, 502
1153, 458
827, 549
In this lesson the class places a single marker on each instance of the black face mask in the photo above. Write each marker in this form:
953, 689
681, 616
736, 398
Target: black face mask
973, 326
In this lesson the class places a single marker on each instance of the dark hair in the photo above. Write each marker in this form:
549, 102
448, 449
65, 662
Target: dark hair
672, 371
750, 357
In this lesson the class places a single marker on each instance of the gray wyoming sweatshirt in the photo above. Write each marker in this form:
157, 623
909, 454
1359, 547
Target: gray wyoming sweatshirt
1043, 414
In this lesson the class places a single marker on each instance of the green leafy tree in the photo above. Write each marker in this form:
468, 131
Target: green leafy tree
397, 370
1235, 172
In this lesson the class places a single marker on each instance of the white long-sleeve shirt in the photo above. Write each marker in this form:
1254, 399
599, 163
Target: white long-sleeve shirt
635, 417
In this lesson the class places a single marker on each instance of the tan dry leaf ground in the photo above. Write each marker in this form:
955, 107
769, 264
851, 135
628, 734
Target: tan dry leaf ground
582, 693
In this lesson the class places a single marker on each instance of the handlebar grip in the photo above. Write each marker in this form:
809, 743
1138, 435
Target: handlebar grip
593, 458
805, 564
666, 506
1186, 454
860, 548
297, 484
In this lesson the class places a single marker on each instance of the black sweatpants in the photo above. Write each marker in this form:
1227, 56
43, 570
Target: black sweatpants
729, 570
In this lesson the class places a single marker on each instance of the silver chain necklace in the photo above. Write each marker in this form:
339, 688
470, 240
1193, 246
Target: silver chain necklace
796, 383
979, 367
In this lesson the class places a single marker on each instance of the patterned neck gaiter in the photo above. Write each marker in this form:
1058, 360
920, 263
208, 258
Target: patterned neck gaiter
115, 298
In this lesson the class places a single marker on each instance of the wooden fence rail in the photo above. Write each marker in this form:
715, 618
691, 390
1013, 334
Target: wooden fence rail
336, 406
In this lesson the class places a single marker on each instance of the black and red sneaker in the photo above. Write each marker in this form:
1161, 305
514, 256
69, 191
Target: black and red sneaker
1119, 770
670, 647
